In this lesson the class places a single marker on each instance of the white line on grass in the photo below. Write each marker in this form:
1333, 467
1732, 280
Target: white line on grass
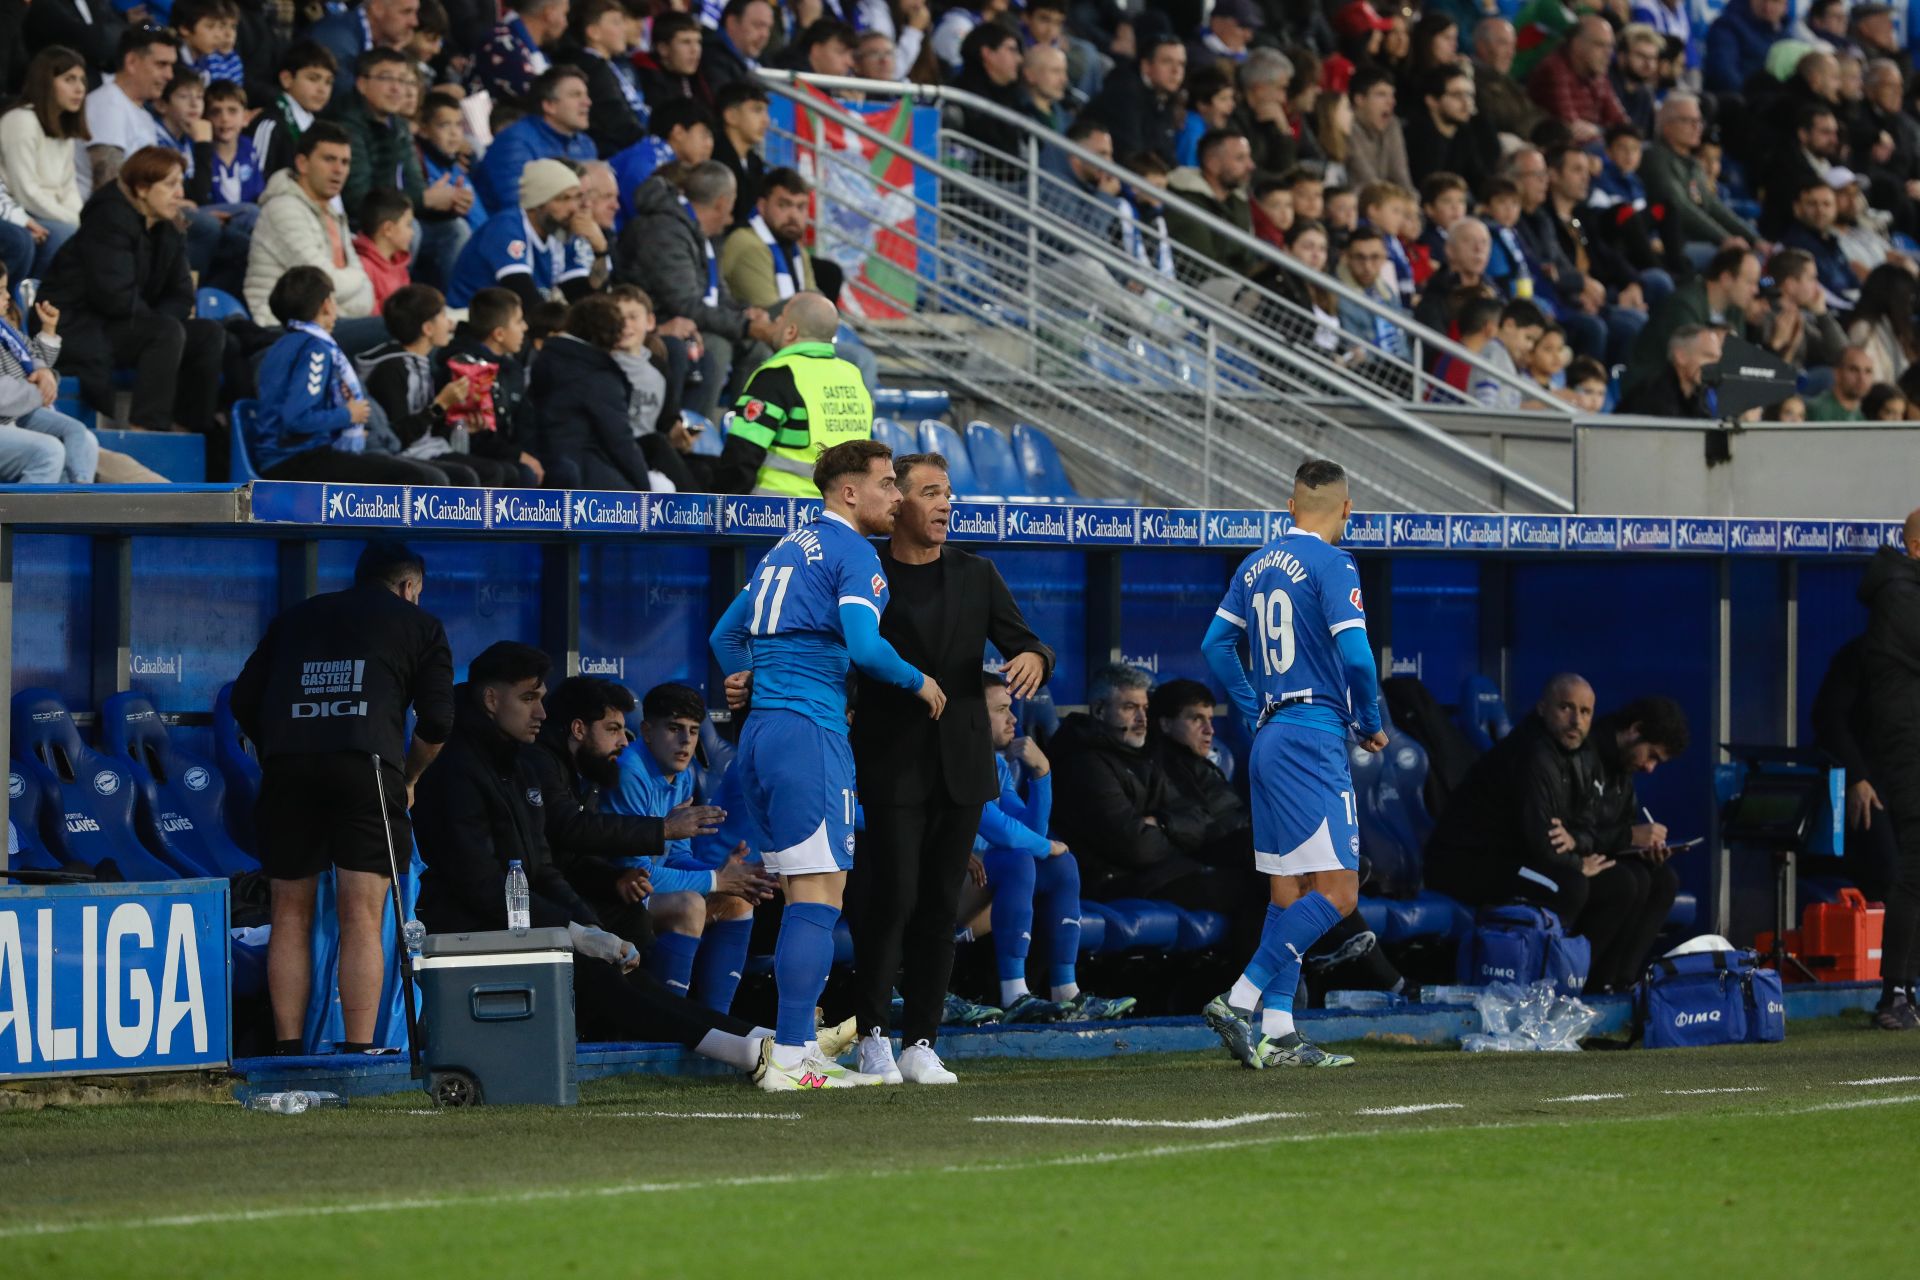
1586, 1097
1857, 1103
1880, 1080
548, 1194
1224, 1122
1695, 1093
1411, 1109
699, 1115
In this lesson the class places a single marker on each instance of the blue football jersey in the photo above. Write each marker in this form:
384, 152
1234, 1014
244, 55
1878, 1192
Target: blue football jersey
1292, 597
799, 651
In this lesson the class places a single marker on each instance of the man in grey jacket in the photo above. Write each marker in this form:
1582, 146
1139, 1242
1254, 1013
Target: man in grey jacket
1696, 218
667, 249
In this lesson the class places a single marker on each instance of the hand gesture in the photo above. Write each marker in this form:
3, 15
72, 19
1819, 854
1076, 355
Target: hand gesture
532, 464
1028, 753
634, 885
689, 820
1862, 800
744, 879
1025, 673
440, 195
49, 318
931, 694
358, 412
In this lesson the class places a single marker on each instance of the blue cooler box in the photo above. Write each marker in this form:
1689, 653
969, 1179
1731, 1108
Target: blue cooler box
497, 1017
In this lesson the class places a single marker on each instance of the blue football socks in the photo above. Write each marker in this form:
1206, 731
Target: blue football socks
801, 962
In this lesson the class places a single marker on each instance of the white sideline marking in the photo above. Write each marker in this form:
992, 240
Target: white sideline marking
1857, 1103
699, 1115
1224, 1122
1695, 1093
1881, 1080
1413, 1109
547, 1194
1586, 1097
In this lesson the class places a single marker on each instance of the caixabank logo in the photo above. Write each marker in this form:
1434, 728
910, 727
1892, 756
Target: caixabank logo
974, 522
1233, 528
1365, 529
769, 517
1806, 535
1169, 527
1699, 534
680, 513
1028, 522
1593, 533
1646, 533
447, 508
1753, 537
1536, 533
529, 509
1104, 526
1417, 532
1476, 533
363, 504
608, 512
1864, 536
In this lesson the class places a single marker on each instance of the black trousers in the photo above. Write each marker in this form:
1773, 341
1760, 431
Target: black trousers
1619, 912
1900, 950
367, 468
902, 896
611, 1005
176, 366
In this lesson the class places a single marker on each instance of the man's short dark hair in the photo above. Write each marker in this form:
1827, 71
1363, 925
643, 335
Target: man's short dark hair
904, 463
596, 321
851, 458
378, 56
385, 562
546, 85
827, 31
508, 662
1212, 140
1365, 78
1523, 313
1434, 83
1318, 473
1478, 312
433, 20
586, 699
1804, 118
299, 294
673, 701
1727, 262
226, 91
322, 133
1085, 126
140, 39
1585, 369
1439, 183
409, 309
993, 679
678, 113
786, 179
1153, 44
737, 93
491, 308
302, 54
383, 205
737, 9
672, 23
1788, 263
1661, 722
1175, 696
991, 35
1365, 232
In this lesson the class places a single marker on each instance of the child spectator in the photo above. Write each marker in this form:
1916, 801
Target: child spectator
38, 443
1272, 210
1586, 385
209, 30
1309, 189
445, 153
649, 386
580, 396
486, 348
235, 175
307, 71
1343, 213
1546, 364
386, 219
399, 378
182, 112
1443, 202
545, 320
429, 37
1521, 324
1792, 409
1381, 204
1507, 266
1476, 317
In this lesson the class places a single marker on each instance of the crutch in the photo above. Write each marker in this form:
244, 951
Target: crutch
399, 926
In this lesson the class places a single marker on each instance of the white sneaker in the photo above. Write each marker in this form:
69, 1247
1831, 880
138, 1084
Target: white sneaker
811, 1074
919, 1064
876, 1058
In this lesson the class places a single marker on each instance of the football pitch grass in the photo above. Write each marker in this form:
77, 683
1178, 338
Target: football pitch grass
1797, 1159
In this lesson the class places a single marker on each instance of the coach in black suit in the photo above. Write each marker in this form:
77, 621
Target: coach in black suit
923, 782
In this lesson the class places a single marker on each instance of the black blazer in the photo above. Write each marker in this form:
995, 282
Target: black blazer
903, 757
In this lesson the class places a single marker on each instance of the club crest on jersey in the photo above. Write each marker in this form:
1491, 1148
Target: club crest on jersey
879, 586
535, 798
517, 250
1354, 595
849, 844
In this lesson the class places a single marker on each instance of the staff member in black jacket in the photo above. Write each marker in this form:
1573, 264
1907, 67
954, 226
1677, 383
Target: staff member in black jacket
1843, 728
326, 690
482, 809
1891, 590
923, 781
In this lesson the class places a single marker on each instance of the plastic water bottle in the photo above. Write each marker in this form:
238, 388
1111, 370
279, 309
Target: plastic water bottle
292, 1102
416, 936
519, 914
1352, 1000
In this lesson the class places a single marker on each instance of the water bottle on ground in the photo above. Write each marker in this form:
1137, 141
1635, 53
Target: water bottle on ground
292, 1102
519, 913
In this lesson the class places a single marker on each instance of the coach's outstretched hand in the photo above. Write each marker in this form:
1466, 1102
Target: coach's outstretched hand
688, 820
931, 694
1376, 744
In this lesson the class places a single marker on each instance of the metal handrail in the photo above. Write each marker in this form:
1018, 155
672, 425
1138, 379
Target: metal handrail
935, 95
1321, 371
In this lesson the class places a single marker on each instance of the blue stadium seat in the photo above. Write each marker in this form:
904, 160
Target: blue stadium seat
993, 461
1426, 915
920, 402
1482, 714
1093, 929
1199, 929
894, 436
177, 456
1685, 910
1039, 717
27, 812
89, 795
938, 437
1397, 831
69, 401
217, 305
238, 766
1040, 464
707, 443
1224, 759
1375, 914
240, 469
182, 798
1138, 924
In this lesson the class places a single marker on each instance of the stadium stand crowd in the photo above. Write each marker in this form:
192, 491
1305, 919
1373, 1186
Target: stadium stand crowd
1612, 175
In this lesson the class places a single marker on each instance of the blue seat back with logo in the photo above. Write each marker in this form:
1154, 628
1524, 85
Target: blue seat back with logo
182, 798
1482, 714
238, 767
26, 810
90, 795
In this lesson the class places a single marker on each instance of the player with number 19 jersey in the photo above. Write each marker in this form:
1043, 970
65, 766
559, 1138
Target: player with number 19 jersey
1298, 601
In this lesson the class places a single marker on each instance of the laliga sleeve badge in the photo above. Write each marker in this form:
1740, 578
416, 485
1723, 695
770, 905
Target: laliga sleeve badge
1354, 595
879, 586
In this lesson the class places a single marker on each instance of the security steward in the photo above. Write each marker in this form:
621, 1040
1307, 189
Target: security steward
802, 401
325, 692
1891, 591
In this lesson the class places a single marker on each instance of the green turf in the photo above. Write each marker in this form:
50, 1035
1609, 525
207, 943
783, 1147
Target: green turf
1798, 1173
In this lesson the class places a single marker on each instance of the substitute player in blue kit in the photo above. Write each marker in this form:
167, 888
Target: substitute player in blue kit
811, 606
1296, 602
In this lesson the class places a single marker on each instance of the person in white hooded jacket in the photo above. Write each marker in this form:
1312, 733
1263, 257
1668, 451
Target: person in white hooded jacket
302, 225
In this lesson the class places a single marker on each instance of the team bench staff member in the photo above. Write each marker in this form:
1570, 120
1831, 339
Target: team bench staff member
798, 404
327, 689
